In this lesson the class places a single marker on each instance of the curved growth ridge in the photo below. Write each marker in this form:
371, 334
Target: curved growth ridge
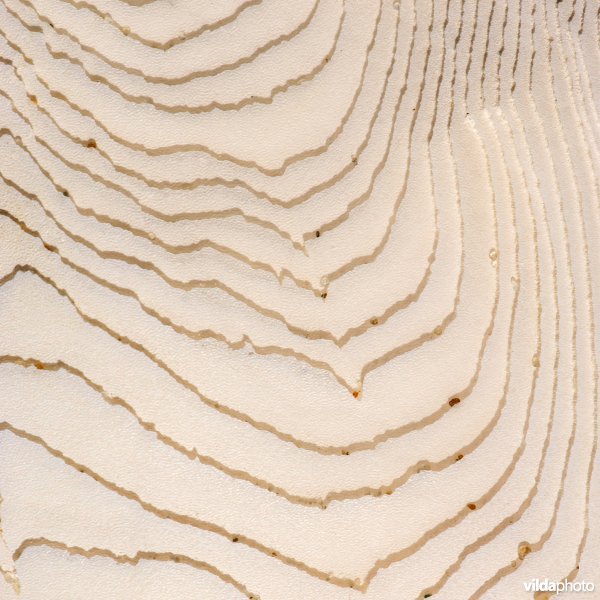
299, 300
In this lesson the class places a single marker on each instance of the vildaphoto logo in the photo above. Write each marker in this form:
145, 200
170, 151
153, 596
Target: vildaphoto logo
546, 585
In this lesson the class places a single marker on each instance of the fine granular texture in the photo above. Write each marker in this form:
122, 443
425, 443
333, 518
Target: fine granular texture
298, 299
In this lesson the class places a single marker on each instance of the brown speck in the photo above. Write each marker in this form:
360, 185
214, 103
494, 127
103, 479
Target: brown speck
355, 393
374, 321
524, 550
438, 330
471, 506
39, 365
345, 452
459, 457
65, 193
235, 539
354, 160
317, 234
32, 98
324, 295
91, 144
453, 401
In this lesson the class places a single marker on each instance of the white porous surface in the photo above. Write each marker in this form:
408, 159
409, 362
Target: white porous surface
299, 300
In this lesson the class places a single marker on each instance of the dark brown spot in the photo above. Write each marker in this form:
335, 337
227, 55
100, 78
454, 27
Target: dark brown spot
39, 365
32, 98
375, 321
235, 539
318, 234
459, 457
453, 401
91, 144
324, 295
471, 506
355, 393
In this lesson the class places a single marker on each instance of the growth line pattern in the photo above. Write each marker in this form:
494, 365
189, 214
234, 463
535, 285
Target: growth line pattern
298, 299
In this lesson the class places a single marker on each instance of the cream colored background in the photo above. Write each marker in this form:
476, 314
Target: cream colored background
298, 298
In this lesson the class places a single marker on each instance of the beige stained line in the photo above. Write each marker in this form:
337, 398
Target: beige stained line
539, 544
471, 95
322, 449
511, 330
370, 366
525, 504
362, 260
220, 156
207, 243
586, 110
213, 105
366, 325
192, 284
342, 582
9, 573
142, 555
321, 501
328, 450
322, 228
246, 339
501, 526
163, 80
235, 183
217, 181
472, 547
198, 31
515, 516
179, 518
103, 218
